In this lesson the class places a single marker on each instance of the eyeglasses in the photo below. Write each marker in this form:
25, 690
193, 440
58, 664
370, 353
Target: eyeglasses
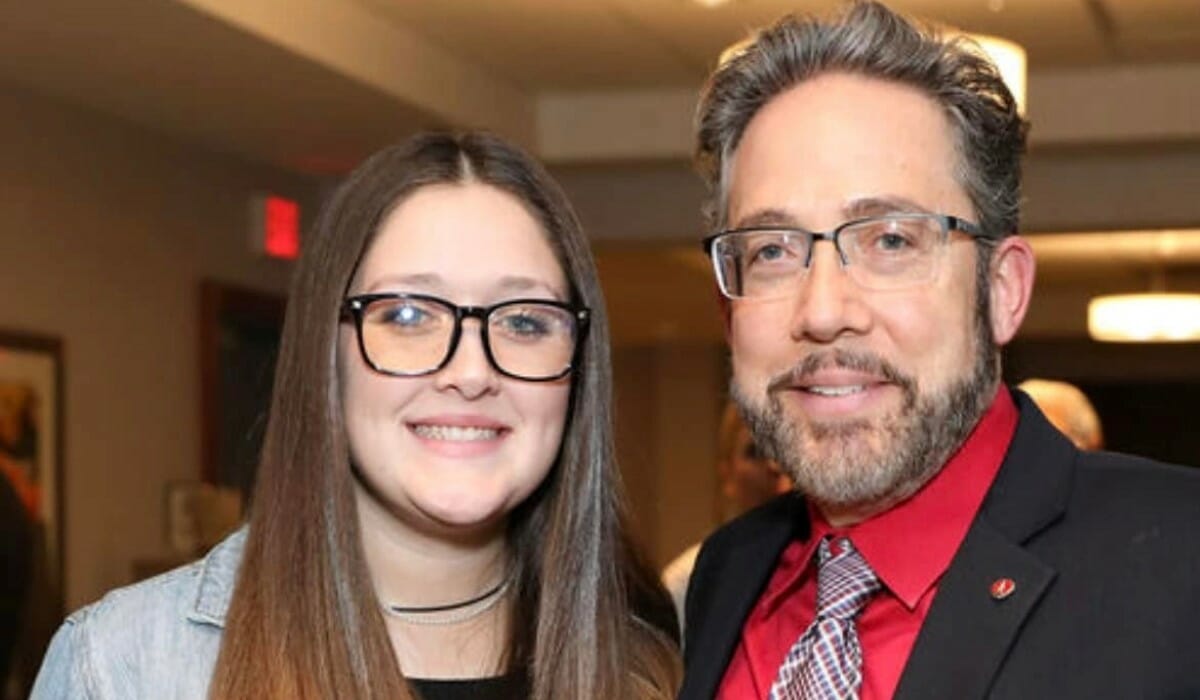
408, 335
879, 253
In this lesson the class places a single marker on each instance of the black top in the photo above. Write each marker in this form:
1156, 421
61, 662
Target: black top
513, 686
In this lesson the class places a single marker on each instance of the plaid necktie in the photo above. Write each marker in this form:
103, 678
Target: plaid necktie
826, 661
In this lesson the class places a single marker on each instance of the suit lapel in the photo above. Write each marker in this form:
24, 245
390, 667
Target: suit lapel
737, 578
968, 632
966, 637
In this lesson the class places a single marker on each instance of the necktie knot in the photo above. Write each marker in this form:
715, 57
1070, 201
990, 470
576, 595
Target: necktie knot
845, 582
825, 663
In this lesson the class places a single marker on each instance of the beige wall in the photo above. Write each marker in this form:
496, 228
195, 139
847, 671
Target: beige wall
668, 403
105, 233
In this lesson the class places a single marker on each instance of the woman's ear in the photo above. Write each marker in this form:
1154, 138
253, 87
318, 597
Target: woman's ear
1010, 280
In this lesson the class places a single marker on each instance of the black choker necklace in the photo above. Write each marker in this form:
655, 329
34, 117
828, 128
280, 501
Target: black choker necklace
457, 612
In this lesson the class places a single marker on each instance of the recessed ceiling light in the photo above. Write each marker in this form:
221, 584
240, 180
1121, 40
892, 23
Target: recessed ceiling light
711, 3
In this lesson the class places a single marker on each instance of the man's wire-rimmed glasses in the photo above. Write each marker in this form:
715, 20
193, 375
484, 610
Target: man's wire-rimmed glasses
883, 253
409, 335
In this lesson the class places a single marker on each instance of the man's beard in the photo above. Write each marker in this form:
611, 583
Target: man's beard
873, 463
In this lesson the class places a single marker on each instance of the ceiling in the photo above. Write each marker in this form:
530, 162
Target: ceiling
314, 85
604, 44
601, 89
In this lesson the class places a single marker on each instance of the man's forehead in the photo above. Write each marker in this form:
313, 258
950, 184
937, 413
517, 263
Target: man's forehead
848, 145
854, 208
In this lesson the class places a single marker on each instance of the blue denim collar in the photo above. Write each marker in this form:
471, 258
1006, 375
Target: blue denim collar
218, 574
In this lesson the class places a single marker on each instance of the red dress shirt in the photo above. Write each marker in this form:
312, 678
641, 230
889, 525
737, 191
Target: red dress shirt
909, 547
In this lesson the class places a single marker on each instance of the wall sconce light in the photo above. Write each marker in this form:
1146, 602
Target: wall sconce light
1142, 318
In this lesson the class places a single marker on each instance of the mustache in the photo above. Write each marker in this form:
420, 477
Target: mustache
841, 358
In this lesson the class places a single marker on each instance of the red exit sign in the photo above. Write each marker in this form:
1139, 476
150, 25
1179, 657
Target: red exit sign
275, 226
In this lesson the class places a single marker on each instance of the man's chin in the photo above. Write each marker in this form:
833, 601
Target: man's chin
828, 435
859, 482
848, 462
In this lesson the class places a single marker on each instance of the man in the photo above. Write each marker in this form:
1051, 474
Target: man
747, 479
944, 541
1068, 409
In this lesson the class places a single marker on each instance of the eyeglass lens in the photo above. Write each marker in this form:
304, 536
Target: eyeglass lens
415, 335
883, 253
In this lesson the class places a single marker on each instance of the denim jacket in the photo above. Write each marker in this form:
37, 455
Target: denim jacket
154, 639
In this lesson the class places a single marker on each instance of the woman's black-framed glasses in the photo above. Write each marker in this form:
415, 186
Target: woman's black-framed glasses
890, 252
409, 335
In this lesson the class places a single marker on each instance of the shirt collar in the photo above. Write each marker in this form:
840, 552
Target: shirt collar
218, 574
910, 545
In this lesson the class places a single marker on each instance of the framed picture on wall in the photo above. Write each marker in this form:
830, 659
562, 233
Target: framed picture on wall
31, 498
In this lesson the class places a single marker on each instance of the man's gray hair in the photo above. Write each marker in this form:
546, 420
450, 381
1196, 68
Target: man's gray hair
870, 40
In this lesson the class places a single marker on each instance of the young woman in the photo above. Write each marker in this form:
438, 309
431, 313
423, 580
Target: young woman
437, 511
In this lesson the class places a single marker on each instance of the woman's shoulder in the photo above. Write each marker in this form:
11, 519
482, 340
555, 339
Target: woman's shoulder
165, 629
196, 592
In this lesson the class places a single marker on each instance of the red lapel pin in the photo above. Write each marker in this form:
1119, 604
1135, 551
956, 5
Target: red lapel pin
1002, 588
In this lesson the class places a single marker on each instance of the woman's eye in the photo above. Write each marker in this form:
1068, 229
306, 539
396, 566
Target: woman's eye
406, 315
525, 325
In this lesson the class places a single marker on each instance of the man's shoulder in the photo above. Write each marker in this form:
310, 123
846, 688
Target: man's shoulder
1125, 518
1138, 476
1127, 485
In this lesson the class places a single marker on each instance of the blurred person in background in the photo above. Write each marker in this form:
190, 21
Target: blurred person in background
27, 611
1068, 409
746, 477
16, 561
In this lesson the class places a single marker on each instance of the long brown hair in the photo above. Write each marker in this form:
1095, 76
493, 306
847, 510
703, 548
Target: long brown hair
591, 619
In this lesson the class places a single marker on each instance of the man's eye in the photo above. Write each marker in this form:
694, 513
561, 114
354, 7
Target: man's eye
892, 242
768, 252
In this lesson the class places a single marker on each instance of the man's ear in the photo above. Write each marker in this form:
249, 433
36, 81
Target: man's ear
1010, 279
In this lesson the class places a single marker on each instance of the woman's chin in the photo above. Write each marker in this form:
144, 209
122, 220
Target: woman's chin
468, 515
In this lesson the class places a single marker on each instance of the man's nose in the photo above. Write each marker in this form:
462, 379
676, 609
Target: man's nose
828, 302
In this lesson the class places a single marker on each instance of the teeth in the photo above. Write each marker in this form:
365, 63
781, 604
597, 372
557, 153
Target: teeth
836, 390
455, 433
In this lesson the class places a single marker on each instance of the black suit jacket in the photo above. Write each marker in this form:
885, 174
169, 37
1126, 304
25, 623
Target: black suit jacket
1105, 553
